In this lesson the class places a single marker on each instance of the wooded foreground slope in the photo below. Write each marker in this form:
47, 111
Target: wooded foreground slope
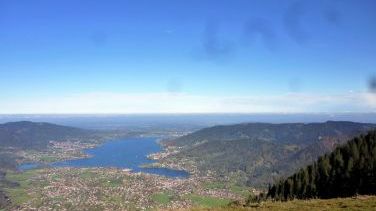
349, 170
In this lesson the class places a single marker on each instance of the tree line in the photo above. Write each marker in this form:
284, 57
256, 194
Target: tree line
349, 170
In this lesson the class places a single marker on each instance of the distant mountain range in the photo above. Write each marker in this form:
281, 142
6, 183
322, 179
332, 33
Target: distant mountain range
262, 152
32, 135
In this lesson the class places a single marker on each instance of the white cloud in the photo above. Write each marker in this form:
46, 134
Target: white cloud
186, 103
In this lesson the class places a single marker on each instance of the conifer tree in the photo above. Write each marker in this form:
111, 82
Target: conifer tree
350, 169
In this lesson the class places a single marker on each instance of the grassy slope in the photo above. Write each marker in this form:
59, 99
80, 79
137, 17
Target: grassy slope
207, 201
161, 198
18, 193
359, 203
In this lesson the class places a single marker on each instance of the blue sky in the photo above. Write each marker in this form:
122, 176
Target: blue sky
168, 56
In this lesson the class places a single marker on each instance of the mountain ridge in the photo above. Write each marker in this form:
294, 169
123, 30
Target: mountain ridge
260, 150
35, 135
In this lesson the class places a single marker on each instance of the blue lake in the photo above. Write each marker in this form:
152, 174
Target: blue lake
128, 153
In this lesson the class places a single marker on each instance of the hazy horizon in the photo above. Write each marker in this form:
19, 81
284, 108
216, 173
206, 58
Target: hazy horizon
181, 121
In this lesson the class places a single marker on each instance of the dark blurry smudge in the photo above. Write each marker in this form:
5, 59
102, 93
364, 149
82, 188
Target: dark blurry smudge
293, 22
99, 38
214, 47
372, 84
262, 28
295, 85
332, 16
174, 86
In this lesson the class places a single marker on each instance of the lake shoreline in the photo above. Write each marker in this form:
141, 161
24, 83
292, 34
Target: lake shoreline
135, 164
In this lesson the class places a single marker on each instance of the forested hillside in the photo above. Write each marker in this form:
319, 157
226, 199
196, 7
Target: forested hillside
350, 169
287, 133
31, 135
260, 153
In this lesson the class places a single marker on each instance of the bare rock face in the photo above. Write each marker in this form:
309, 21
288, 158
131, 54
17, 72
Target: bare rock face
4, 200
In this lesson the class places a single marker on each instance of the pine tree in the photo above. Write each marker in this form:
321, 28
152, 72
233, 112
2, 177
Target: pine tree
348, 170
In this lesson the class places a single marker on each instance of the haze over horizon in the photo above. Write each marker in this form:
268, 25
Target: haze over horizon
199, 56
